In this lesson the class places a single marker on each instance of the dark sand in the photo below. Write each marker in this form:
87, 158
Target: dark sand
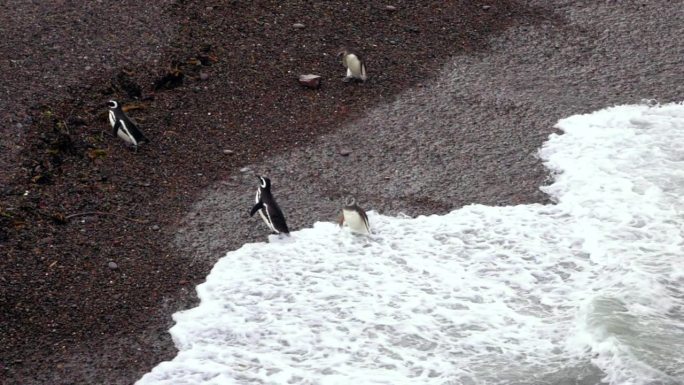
459, 101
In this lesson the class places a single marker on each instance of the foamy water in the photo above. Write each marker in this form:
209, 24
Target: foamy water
587, 289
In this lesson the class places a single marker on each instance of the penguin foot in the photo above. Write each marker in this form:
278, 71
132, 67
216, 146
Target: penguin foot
347, 79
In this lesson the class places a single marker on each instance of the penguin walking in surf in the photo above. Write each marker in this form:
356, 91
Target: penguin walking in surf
354, 217
267, 207
123, 126
356, 68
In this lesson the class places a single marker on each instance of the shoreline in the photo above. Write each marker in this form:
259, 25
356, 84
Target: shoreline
72, 319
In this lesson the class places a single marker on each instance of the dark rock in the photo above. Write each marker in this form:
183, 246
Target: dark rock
75, 121
206, 58
172, 79
310, 81
124, 82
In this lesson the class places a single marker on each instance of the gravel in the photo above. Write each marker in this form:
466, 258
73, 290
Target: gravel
453, 114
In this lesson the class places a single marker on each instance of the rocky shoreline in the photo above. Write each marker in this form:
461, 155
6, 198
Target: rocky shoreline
103, 244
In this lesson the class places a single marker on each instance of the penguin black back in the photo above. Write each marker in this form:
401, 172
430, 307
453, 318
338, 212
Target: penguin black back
268, 209
123, 126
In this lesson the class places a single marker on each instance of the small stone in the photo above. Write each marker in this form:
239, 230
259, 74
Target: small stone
390, 8
204, 76
345, 152
112, 265
298, 26
310, 80
486, 7
244, 169
228, 152
88, 68
155, 227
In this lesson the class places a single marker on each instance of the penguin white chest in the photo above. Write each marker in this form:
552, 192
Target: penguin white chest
355, 222
121, 134
263, 213
112, 119
125, 134
353, 65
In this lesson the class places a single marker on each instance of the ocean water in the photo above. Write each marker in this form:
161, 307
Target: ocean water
585, 291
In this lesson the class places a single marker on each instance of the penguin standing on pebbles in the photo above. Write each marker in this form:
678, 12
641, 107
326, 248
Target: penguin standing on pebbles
355, 218
267, 207
123, 127
356, 69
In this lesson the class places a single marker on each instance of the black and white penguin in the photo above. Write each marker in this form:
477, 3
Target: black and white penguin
356, 69
267, 207
123, 127
355, 218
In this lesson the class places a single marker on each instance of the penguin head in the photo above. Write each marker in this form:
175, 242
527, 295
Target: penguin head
350, 201
342, 53
265, 183
112, 104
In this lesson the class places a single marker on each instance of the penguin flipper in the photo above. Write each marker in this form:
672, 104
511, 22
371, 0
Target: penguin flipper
116, 127
364, 217
257, 207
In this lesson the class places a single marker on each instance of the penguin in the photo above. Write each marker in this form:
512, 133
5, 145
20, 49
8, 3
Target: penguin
356, 69
123, 126
354, 217
267, 207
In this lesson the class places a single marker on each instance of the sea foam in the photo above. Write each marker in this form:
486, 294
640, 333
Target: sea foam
588, 288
